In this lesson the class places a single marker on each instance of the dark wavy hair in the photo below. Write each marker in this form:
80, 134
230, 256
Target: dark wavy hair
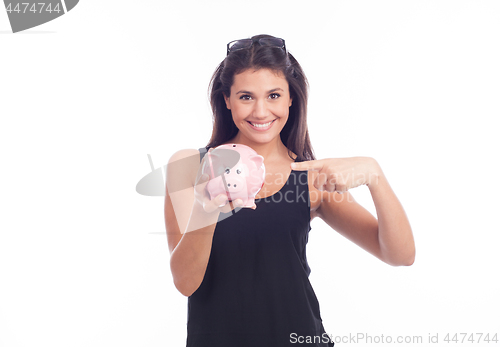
294, 134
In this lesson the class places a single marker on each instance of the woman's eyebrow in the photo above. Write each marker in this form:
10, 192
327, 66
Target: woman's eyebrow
247, 92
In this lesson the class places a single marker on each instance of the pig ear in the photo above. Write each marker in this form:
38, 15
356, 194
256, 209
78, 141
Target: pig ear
257, 159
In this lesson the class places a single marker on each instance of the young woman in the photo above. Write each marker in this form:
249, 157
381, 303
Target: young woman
244, 270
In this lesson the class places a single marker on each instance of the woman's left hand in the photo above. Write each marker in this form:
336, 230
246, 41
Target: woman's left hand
341, 174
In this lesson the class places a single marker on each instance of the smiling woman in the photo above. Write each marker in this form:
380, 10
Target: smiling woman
257, 109
246, 274
260, 81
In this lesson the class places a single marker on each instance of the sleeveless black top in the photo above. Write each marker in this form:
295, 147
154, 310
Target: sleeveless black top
256, 290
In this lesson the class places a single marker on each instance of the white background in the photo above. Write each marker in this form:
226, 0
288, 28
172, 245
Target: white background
85, 98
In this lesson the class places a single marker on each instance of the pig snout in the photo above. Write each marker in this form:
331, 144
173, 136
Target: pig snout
234, 184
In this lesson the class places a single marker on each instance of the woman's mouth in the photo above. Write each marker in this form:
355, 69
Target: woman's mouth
261, 127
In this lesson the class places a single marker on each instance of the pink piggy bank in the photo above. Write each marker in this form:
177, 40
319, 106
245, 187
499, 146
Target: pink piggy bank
235, 170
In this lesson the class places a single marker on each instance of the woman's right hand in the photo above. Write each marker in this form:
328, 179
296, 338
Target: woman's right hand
220, 202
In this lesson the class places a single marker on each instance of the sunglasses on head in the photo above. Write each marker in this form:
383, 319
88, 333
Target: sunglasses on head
237, 45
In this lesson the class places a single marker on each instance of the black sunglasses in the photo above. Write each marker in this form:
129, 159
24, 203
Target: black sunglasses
237, 45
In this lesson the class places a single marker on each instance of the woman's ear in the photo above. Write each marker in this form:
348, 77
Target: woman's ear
290, 103
226, 99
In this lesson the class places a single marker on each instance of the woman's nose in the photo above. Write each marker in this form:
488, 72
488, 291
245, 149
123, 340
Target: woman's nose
261, 109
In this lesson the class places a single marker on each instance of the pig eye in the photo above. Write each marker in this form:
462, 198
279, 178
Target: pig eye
228, 171
238, 171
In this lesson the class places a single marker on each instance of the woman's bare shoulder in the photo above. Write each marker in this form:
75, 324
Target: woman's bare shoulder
183, 165
186, 153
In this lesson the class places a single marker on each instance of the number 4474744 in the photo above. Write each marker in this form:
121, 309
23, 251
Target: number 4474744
471, 337
33, 8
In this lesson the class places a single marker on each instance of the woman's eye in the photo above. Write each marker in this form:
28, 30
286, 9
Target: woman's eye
238, 171
228, 171
274, 96
245, 97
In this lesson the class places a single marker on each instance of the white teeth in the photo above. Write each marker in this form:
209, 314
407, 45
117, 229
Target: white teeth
261, 125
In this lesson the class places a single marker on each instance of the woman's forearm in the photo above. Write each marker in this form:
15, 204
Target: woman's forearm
189, 259
394, 231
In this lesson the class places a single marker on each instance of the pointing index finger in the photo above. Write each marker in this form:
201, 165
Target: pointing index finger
307, 165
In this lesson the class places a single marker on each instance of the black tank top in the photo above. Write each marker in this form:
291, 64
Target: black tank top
256, 291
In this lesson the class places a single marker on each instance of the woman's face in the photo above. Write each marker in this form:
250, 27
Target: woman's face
259, 103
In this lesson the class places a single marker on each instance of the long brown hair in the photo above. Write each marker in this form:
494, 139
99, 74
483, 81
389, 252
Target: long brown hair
294, 134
